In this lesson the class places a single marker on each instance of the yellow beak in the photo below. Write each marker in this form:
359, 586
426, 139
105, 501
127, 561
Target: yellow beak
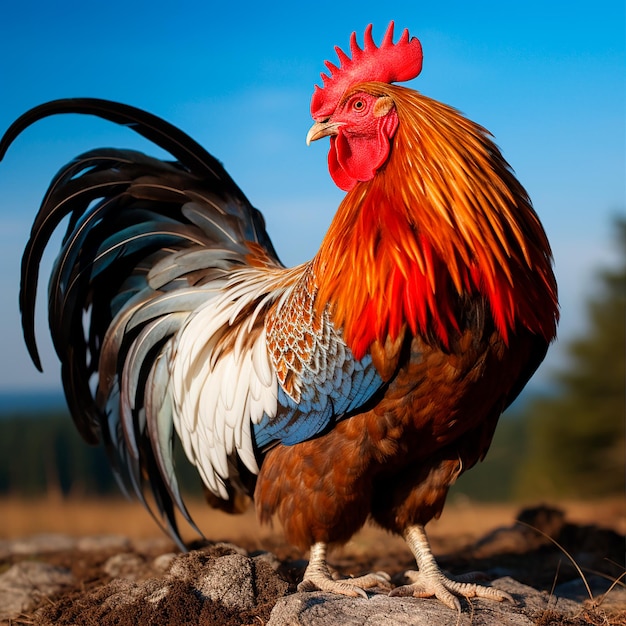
322, 129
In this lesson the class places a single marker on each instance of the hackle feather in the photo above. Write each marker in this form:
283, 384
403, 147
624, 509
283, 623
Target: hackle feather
445, 217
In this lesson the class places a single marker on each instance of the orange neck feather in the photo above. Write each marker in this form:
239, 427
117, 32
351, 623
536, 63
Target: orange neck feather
442, 219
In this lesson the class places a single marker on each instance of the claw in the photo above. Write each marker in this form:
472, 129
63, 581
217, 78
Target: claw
427, 589
446, 589
431, 582
318, 577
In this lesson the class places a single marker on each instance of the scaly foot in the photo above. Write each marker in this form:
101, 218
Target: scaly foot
439, 586
318, 577
431, 582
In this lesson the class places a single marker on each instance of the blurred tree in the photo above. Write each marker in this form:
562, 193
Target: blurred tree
576, 436
44, 453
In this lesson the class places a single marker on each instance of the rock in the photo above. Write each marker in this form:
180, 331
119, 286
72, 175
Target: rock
323, 609
163, 562
229, 580
531, 600
124, 565
103, 542
6, 548
119, 594
317, 609
25, 584
267, 557
42, 544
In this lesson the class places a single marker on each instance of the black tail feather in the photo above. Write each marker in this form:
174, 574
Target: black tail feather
165, 135
127, 214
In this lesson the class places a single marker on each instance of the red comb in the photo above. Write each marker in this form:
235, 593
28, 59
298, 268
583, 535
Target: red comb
386, 64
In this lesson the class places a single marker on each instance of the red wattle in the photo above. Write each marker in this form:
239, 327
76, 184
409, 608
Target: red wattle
340, 176
353, 158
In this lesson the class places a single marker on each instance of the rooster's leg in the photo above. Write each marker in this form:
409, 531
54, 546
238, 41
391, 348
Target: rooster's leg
430, 580
318, 576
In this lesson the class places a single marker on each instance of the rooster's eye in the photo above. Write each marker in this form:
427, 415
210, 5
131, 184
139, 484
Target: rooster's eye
358, 105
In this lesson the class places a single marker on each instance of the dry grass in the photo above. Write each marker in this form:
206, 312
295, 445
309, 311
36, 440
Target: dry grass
461, 522
91, 516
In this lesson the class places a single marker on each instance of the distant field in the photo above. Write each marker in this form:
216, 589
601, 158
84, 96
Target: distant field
461, 522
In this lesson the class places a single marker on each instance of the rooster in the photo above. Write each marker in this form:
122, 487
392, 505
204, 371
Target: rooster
356, 386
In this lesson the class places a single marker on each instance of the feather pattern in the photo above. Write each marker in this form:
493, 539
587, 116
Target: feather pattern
171, 312
320, 380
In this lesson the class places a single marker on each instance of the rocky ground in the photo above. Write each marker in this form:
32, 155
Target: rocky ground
111, 579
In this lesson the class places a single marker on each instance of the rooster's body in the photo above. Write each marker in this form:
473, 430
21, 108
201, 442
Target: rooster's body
360, 384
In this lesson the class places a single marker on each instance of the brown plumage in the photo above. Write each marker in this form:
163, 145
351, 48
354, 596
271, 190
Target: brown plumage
356, 386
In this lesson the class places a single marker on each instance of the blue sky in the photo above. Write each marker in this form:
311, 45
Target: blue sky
547, 79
